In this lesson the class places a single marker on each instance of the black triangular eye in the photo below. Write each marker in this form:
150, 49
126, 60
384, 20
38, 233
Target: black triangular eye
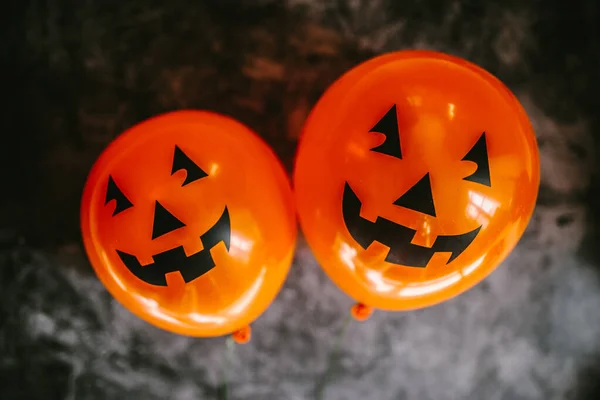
114, 193
388, 126
164, 221
479, 155
419, 197
182, 161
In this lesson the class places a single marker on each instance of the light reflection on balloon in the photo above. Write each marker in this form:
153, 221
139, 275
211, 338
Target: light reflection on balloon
207, 319
451, 110
481, 207
240, 247
147, 302
242, 303
433, 286
347, 255
152, 307
426, 229
376, 278
473, 266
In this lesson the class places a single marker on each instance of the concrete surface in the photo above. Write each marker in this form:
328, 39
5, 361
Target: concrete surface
79, 72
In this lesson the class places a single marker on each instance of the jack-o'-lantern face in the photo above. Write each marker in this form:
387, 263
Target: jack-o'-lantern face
188, 220
418, 198
416, 175
164, 222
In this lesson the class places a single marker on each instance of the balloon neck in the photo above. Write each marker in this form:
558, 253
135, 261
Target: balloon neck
361, 312
242, 335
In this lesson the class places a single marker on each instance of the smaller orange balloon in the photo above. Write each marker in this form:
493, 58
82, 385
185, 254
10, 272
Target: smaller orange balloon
188, 220
416, 174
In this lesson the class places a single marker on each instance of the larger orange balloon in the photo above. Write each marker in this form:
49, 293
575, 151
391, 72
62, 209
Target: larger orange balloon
188, 220
416, 174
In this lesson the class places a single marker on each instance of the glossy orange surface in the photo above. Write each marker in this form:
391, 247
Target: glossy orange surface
198, 236
416, 175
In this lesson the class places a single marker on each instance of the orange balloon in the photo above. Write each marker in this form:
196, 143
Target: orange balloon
416, 174
188, 220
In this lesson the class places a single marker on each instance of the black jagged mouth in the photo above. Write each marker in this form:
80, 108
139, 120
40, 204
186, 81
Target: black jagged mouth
398, 237
175, 260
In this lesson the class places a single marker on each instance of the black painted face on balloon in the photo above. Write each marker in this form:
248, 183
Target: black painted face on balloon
173, 260
418, 198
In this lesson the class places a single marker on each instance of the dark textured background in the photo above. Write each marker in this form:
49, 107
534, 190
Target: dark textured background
76, 73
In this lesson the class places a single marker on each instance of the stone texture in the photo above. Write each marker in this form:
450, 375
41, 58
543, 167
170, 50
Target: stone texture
79, 72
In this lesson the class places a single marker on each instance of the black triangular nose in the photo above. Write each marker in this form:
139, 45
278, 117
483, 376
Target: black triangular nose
419, 197
164, 221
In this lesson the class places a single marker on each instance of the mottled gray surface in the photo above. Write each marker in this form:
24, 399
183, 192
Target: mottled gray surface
79, 72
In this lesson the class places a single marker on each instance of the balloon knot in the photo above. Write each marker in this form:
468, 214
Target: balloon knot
242, 335
361, 312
